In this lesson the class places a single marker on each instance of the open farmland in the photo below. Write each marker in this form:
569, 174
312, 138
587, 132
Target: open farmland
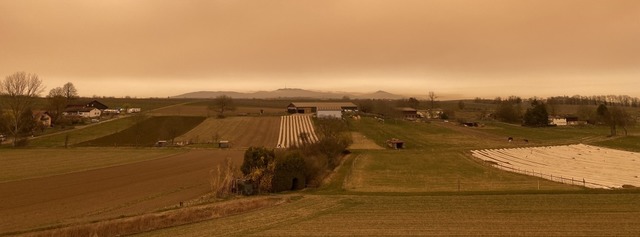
590, 166
291, 128
433, 187
200, 109
241, 132
127, 189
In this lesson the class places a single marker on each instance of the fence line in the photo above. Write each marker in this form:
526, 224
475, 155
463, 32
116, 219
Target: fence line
558, 178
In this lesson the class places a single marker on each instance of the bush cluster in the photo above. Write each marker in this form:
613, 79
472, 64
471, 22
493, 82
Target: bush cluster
294, 168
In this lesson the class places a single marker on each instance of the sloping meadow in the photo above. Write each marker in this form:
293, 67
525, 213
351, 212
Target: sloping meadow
148, 131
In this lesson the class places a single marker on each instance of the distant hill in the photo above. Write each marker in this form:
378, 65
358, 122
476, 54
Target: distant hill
291, 93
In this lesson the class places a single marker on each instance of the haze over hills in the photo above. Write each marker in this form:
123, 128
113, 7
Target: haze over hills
292, 93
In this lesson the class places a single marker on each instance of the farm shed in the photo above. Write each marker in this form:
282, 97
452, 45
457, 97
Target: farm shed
312, 107
395, 143
224, 144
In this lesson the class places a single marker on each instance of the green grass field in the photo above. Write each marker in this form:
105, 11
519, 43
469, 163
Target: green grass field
629, 143
425, 215
148, 131
83, 134
30, 163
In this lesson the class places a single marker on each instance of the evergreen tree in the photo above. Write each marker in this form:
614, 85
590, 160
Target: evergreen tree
537, 115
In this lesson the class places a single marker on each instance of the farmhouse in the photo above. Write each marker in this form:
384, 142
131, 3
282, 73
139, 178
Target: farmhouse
95, 104
408, 113
322, 109
90, 109
565, 120
42, 118
84, 112
558, 121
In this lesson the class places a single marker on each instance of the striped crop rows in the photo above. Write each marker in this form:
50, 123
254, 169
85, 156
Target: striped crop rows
296, 130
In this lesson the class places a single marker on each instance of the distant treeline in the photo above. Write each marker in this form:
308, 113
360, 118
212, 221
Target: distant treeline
618, 100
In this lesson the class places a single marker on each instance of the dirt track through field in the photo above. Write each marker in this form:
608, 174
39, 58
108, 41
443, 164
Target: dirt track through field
109, 192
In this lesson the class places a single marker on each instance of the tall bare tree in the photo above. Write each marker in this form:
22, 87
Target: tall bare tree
57, 103
59, 98
222, 104
432, 99
432, 103
69, 91
19, 91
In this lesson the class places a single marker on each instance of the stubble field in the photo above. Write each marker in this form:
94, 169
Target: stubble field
241, 132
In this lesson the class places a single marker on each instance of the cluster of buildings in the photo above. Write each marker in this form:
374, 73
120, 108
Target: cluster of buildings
322, 109
84, 110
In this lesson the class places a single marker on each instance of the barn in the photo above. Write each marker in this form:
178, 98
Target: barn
322, 109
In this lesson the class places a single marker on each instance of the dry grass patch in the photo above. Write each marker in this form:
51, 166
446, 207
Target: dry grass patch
155, 221
361, 142
240, 131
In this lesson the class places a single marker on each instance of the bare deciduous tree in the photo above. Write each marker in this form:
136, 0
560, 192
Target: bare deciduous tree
59, 98
69, 91
432, 103
19, 91
222, 104
57, 103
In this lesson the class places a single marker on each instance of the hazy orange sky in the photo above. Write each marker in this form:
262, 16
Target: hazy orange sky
456, 48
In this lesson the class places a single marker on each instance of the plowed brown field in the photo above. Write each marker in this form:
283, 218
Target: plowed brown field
240, 131
109, 192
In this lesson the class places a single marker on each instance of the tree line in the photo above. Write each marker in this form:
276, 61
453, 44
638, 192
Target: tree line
18, 94
613, 115
608, 100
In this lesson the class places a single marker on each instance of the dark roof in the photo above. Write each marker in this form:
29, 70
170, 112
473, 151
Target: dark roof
94, 103
79, 109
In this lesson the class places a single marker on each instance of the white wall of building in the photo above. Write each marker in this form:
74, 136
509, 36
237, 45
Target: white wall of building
329, 114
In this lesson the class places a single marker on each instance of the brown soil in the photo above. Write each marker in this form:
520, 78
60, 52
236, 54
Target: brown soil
109, 192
